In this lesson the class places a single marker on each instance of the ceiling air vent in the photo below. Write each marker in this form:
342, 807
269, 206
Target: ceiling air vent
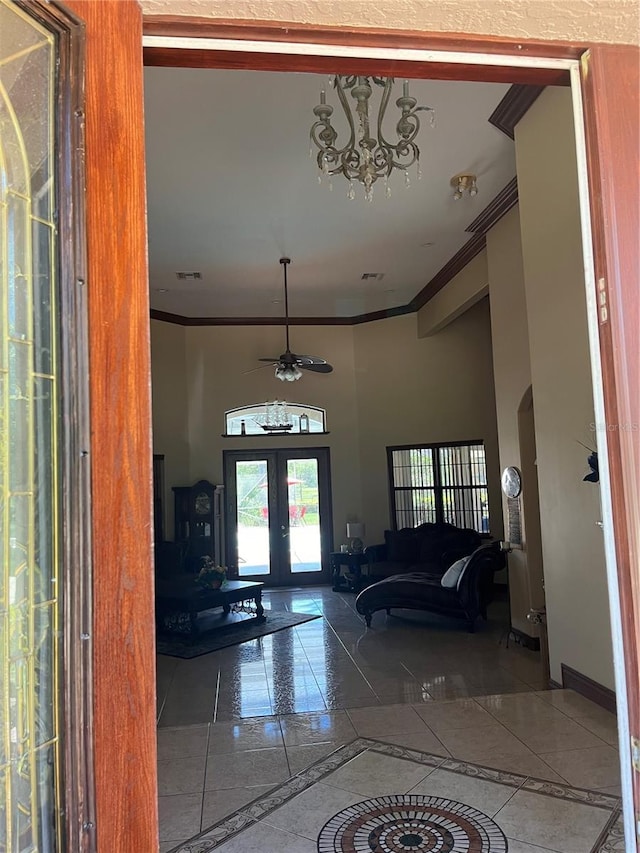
188, 276
372, 276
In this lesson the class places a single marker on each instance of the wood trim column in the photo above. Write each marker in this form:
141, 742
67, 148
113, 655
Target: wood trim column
123, 629
612, 109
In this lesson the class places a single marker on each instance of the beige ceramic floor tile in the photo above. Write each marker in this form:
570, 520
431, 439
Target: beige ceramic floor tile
521, 847
375, 775
300, 729
263, 733
459, 714
179, 816
614, 790
261, 838
218, 804
526, 764
182, 742
256, 766
392, 719
586, 768
423, 741
487, 797
602, 724
181, 775
520, 707
548, 822
309, 811
569, 702
188, 707
481, 742
301, 757
553, 735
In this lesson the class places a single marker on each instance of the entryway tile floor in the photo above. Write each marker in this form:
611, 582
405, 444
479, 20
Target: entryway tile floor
415, 706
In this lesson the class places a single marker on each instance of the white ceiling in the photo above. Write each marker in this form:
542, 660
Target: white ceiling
231, 189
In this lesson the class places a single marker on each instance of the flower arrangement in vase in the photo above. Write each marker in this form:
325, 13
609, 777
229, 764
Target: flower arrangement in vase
211, 576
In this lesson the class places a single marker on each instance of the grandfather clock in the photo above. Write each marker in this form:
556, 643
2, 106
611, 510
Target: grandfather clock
194, 518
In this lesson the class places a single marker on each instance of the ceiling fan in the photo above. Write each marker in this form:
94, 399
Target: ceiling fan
288, 364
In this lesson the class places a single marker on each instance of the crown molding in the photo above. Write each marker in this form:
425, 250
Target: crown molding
181, 320
496, 209
458, 262
513, 106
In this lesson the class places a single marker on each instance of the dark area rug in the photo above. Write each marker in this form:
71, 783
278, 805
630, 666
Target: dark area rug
236, 629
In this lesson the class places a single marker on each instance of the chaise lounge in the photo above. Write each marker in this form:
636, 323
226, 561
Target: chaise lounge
467, 599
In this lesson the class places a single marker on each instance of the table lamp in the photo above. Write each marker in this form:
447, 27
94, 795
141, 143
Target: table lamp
355, 532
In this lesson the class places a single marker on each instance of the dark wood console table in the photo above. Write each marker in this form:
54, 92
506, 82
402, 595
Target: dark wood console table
179, 599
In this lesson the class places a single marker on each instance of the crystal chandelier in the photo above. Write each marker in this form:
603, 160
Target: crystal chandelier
365, 158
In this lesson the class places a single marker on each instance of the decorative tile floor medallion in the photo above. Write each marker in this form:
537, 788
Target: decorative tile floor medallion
415, 823
411, 824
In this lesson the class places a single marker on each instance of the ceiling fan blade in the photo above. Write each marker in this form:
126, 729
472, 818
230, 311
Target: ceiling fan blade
308, 359
317, 368
262, 367
286, 363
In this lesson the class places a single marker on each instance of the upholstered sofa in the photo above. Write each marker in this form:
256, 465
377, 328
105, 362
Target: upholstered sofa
429, 549
467, 599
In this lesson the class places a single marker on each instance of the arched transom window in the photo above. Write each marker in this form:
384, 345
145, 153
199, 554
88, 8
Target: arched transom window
276, 417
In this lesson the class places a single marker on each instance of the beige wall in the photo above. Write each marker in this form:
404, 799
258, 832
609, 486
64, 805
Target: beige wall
579, 20
573, 553
512, 372
448, 396
464, 290
388, 387
216, 360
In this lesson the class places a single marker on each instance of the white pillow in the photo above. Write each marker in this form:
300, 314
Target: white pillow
451, 578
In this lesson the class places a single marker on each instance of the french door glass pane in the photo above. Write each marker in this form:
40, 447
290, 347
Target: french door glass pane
30, 462
304, 515
252, 523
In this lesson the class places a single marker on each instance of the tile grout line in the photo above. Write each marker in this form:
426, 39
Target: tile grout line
539, 755
215, 701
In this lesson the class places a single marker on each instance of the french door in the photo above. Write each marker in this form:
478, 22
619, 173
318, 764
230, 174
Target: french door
278, 518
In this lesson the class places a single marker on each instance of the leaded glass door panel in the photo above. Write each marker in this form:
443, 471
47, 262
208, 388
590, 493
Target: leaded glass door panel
41, 423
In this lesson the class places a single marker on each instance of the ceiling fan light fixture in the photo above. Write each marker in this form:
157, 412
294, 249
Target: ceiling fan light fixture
287, 364
288, 372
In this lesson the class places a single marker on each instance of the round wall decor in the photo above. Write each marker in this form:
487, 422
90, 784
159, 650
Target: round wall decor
511, 482
411, 823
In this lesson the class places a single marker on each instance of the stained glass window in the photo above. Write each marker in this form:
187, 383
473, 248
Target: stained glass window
29, 459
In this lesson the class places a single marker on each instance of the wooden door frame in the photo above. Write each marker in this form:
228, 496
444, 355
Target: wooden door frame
323, 456
124, 673
124, 688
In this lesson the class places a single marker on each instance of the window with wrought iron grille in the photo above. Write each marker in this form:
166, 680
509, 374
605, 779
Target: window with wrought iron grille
439, 482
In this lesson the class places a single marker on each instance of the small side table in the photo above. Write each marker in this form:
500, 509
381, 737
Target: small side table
354, 563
